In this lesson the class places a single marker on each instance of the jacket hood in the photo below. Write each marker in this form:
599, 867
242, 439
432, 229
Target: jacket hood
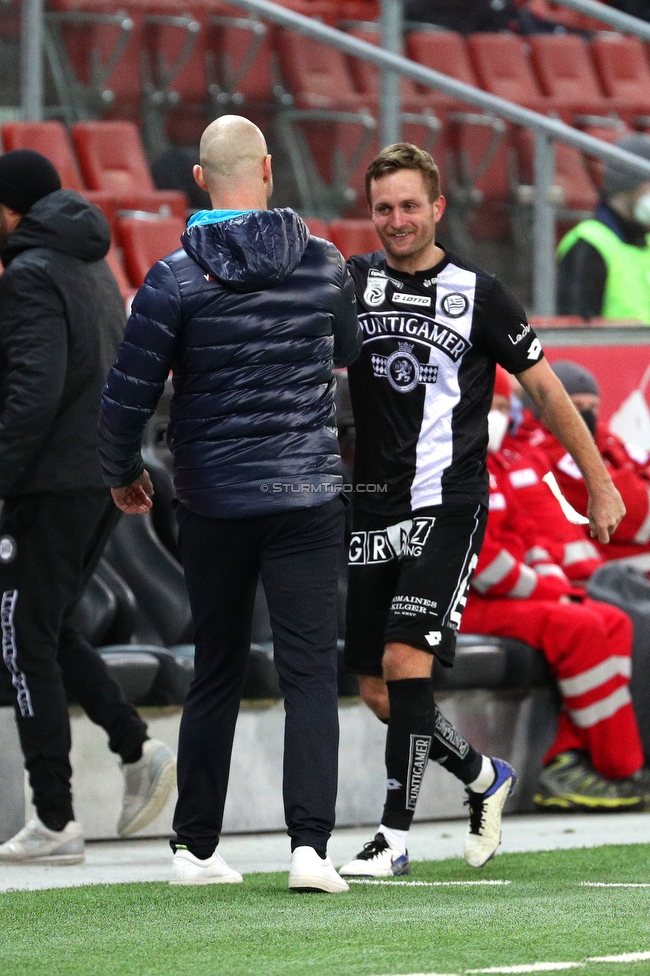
62, 221
254, 250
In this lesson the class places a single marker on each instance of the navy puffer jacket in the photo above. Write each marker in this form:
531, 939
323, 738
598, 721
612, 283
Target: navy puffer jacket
251, 316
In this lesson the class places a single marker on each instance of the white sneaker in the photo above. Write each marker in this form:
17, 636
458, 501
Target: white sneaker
309, 872
484, 835
37, 844
190, 870
377, 860
147, 786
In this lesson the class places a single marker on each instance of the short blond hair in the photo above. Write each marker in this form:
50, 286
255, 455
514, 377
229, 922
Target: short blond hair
404, 155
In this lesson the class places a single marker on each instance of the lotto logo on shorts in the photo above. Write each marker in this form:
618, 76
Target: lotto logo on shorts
405, 538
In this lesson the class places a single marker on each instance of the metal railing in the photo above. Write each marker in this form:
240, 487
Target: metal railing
546, 130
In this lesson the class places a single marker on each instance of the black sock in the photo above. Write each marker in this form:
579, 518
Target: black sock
452, 751
409, 738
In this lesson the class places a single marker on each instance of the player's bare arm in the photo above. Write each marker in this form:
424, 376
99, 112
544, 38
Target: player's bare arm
606, 508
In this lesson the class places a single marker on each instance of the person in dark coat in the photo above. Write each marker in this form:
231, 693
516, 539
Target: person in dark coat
252, 314
61, 319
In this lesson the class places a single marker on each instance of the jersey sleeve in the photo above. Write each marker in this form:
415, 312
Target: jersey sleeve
510, 337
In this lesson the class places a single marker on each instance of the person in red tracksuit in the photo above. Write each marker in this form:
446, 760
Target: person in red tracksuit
519, 590
628, 465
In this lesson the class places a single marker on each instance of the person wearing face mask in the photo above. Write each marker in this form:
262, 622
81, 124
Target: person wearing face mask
604, 262
628, 465
596, 761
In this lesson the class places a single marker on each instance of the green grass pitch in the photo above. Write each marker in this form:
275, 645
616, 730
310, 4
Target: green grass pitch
545, 914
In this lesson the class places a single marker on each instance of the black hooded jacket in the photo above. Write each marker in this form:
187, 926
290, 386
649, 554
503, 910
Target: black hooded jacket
61, 320
251, 316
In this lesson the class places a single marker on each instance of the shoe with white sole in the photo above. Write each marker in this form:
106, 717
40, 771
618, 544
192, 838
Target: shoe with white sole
310, 872
484, 835
190, 870
377, 860
148, 784
37, 844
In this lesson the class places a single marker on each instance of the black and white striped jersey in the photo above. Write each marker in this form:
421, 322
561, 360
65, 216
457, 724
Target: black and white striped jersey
422, 386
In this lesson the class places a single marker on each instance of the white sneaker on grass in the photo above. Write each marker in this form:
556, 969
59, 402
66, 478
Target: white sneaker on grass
310, 872
37, 844
484, 835
190, 870
147, 786
377, 860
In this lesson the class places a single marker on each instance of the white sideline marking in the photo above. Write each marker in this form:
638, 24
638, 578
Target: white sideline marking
544, 967
425, 884
535, 967
626, 957
614, 884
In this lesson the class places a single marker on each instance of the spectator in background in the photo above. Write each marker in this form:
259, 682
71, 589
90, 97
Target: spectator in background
629, 466
520, 591
604, 262
61, 319
252, 315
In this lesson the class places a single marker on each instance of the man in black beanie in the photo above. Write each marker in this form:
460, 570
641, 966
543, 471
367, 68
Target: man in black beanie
61, 320
604, 262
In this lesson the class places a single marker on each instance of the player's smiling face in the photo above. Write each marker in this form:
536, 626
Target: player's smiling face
405, 219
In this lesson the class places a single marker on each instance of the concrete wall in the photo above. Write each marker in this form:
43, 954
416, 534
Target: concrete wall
516, 725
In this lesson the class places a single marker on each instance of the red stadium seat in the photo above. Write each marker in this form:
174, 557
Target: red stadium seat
473, 151
503, 69
354, 236
51, 140
579, 195
331, 125
112, 159
94, 52
145, 241
623, 71
569, 81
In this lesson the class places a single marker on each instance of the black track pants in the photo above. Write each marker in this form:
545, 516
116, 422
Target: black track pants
297, 555
49, 547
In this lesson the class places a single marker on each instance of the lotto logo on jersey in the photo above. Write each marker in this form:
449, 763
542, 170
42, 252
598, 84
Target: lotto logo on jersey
534, 350
407, 299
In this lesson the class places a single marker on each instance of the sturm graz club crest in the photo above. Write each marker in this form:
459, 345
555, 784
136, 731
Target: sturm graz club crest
454, 305
402, 369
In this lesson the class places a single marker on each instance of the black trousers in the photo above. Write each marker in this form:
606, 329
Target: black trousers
49, 547
297, 555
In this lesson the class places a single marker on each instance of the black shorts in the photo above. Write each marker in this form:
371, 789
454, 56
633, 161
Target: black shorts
408, 582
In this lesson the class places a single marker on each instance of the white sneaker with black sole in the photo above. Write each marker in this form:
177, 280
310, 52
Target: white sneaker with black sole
148, 784
37, 844
485, 809
190, 870
377, 860
310, 872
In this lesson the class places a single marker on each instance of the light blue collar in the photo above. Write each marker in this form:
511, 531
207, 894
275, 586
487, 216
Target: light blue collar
202, 217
